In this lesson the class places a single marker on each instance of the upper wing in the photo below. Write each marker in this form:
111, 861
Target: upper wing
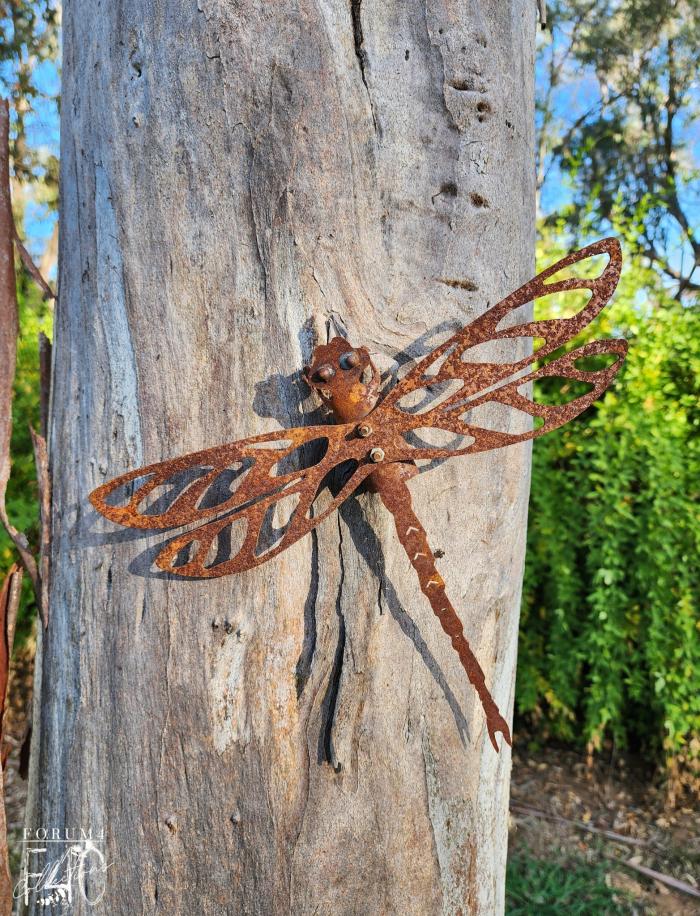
250, 499
453, 387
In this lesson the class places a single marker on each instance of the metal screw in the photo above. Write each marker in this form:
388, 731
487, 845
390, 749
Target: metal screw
364, 430
350, 360
376, 455
325, 373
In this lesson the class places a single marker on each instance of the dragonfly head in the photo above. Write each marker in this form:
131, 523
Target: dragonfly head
345, 378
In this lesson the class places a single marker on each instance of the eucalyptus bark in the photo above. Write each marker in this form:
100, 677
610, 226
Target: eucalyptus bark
241, 181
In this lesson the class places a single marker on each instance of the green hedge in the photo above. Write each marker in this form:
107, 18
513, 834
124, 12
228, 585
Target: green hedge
610, 638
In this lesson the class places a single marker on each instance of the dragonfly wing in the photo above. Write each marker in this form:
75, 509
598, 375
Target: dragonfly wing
231, 497
453, 386
240, 541
447, 362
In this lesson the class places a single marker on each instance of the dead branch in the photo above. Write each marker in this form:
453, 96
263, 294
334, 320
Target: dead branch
580, 825
9, 329
45, 350
9, 605
542, 13
669, 880
41, 460
31, 267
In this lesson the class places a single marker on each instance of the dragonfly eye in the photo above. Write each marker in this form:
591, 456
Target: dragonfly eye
350, 360
325, 373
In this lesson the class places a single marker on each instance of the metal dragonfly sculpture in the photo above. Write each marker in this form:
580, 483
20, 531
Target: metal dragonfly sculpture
376, 438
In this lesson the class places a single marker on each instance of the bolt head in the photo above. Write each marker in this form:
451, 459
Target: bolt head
325, 373
350, 360
364, 430
376, 455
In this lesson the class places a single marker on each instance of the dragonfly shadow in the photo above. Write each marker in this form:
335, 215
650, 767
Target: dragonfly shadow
92, 530
144, 564
370, 548
425, 344
287, 399
85, 532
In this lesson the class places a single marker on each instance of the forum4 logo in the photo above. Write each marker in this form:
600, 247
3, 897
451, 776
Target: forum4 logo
59, 866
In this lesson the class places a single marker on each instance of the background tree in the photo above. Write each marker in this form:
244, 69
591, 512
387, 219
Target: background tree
610, 648
238, 182
618, 122
28, 41
28, 52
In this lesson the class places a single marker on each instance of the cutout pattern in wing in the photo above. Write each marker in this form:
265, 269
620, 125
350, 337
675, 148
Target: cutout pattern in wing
503, 383
233, 486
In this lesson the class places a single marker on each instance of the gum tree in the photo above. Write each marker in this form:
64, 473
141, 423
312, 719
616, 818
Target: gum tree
239, 182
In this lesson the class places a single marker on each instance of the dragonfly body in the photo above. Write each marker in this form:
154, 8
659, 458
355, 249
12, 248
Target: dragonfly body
337, 372
238, 487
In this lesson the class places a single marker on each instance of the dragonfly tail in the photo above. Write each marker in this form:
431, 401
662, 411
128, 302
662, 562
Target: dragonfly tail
390, 483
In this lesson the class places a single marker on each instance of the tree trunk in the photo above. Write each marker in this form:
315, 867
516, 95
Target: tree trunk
241, 180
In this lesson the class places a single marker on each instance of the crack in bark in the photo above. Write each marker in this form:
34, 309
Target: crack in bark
306, 656
359, 38
360, 52
331, 697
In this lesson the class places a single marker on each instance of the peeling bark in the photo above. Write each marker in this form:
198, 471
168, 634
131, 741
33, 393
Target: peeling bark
9, 605
239, 182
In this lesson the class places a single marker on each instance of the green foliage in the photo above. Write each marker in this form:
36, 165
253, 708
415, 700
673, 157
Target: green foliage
22, 498
610, 633
536, 887
610, 647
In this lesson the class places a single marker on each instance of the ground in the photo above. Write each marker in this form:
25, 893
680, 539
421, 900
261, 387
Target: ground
562, 814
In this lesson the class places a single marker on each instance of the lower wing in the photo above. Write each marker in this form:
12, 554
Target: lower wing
243, 503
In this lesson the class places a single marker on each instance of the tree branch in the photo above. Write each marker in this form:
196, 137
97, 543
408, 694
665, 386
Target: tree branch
9, 330
685, 282
31, 267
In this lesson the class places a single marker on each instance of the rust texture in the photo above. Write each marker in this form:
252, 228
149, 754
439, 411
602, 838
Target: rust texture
345, 379
389, 482
233, 492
